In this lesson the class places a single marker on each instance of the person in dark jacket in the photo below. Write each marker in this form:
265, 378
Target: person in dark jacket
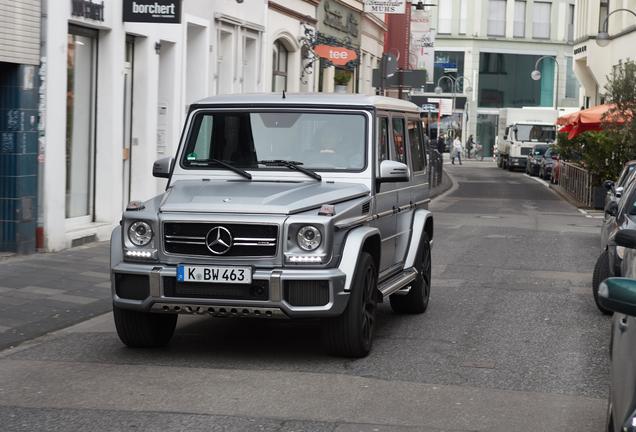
441, 145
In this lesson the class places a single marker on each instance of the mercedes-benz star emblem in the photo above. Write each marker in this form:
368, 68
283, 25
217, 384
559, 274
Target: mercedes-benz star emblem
219, 240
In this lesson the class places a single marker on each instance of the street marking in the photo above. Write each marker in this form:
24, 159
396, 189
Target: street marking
591, 216
538, 180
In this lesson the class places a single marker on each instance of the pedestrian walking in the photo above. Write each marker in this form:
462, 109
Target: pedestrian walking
456, 151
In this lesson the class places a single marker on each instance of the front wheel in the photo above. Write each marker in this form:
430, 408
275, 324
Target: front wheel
601, 272
143, 329
351, 334
416, 301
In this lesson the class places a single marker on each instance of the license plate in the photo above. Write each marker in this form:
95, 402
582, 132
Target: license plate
214, 274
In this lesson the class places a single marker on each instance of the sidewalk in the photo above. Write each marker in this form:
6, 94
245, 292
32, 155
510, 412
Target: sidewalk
44, 292
47, 291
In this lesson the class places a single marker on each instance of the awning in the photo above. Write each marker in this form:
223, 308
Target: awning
590, 119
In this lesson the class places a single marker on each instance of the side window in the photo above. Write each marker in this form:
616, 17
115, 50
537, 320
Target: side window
399, 145
383, 138
418, 152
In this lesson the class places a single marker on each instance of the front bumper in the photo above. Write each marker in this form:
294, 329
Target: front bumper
276, 301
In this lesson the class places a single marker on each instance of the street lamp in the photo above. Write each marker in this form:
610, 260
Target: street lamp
536, 75
602, 38
454, 85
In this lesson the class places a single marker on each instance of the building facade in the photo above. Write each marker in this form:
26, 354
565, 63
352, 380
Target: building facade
594, 63
489, 48
19, 98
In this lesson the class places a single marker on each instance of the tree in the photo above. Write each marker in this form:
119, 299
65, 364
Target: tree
619, 121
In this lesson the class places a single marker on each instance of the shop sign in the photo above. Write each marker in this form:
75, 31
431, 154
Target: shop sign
445, 105
336, 55
384, 6
422, 43
152, 11
88, 9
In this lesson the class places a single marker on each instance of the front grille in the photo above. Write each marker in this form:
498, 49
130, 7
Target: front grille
132, 287
189, 238
306, 293
525, 151
258, 290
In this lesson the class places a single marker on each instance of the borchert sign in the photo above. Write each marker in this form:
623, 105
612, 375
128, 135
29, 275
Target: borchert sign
384, 6
152, 11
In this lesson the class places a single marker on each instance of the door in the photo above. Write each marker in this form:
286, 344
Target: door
385, 198
127, 130
403, 190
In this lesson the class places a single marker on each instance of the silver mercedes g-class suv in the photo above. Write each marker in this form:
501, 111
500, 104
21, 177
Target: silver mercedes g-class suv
281, 206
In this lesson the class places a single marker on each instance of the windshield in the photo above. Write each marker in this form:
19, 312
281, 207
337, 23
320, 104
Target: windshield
317, 141
539, 150
526, 132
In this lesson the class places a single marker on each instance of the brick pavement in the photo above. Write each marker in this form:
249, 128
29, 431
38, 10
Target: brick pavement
44, 292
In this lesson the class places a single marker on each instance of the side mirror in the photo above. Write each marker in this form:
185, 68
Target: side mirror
618, 295
618, 192
608, 184
162, 167
392, 172
626, 238
612, 209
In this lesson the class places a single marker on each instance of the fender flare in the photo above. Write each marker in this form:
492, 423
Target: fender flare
420, 219
116, 250
351, 252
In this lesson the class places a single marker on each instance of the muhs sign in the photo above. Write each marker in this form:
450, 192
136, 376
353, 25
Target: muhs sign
384, 6
152, 11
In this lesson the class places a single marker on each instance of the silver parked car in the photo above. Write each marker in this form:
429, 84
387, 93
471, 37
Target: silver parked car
281, 206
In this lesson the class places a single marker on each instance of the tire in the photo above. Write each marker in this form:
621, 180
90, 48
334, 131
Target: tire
609, 419
143, 329
601, 272
416, 301
351, 334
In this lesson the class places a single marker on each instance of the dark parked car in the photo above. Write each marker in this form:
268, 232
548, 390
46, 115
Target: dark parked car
619, 215
619, 295
534, 159
549, 158
615, 189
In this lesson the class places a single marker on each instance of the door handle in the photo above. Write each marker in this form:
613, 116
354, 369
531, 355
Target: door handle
622, 324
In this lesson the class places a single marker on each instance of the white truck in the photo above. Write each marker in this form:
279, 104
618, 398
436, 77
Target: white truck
519, 130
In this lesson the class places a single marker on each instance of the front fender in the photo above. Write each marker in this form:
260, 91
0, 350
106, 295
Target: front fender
116, 249
352, 249
420, 219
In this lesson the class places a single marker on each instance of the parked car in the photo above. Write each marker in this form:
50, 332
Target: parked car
547, 162
534, 159
619, 296
619, 215
615, 189
281, 207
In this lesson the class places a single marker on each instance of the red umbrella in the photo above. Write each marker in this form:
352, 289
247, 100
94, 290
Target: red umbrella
590, 119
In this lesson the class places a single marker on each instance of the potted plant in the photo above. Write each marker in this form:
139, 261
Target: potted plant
341, 78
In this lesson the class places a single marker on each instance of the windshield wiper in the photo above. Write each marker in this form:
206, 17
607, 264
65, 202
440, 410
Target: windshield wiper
295, 165
232, 168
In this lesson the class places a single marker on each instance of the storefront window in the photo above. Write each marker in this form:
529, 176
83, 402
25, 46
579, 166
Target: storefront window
487, 132
279, 78
504, 81
81, 67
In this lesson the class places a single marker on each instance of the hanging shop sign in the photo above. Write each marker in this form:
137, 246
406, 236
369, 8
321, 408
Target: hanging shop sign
384, 6
152, 11
422, 43
336, 55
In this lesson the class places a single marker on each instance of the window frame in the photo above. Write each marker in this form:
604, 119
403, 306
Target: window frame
535, 22
489, 31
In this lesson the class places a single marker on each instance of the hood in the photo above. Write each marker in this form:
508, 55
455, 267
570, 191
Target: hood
256, 197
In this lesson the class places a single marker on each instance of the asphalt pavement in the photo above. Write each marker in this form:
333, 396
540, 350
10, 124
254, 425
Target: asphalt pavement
511, 341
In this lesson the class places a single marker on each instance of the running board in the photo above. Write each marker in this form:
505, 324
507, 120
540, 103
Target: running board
397, 284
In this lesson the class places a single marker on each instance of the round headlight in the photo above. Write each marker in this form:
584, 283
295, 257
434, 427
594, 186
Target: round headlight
620, 251
140, 233
309, 238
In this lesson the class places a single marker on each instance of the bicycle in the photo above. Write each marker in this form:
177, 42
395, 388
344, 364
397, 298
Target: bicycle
478, 152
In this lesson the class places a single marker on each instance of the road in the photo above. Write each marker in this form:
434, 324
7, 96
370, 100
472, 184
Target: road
511, 341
